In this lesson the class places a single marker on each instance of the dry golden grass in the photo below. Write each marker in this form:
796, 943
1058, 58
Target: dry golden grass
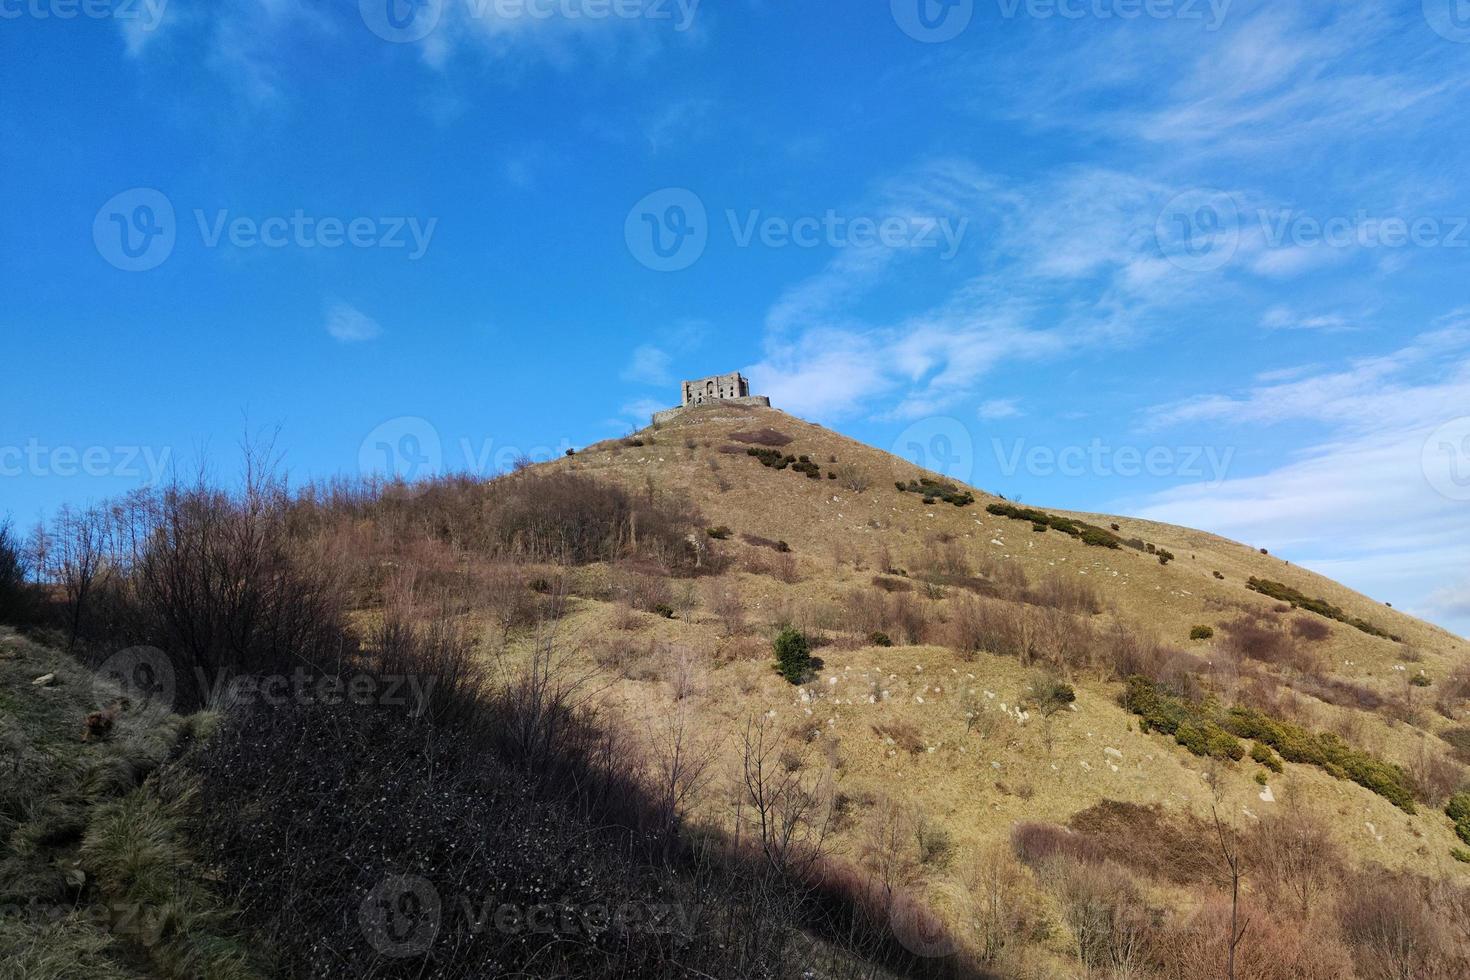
980, 764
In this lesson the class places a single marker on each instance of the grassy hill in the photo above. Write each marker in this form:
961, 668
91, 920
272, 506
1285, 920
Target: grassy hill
1029, 742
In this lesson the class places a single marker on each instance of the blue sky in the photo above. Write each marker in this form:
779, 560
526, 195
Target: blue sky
1203, 262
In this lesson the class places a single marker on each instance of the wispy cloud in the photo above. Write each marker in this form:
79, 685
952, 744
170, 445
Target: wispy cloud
648, 365
349, 325
999, 408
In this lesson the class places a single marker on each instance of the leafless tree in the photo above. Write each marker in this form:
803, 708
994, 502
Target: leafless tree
1230, 853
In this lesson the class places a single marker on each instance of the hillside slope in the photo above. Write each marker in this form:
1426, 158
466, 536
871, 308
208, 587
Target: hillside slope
957, 739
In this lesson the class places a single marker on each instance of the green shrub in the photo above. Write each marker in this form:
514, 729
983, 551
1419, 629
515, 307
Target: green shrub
1460, 854
1205, 730
1260, 777
1279, 590
1326, 751
1040, 520
664, 610
793, 655
880, 639
1420, 679
718, 533
1458, 808
1264, 755
1050, 695
932, 490
1202, 633
1165, 556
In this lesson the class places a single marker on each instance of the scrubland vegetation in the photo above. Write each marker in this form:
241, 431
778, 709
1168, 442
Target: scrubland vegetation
587, 693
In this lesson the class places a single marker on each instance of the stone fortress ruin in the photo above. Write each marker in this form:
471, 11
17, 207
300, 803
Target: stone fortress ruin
730, 389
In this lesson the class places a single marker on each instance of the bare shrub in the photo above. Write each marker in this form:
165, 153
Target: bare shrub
1294, 855
1069, 593
762, 437
1436, 777
1036, 844
15, 595
725, 602
904, 735
908, 616
1385, 923
1273, 949
568, 517
1168, 846
1003, 913
851, 477
1311, 629
1264, 641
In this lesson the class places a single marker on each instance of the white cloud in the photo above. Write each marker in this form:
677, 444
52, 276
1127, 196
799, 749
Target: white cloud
1000, 408
1359, 504
648, 365
1285, 318
349, 325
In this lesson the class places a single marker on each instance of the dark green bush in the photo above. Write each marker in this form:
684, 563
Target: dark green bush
880, 639
1202, 633
718, 533
1041, 520
1205, 730
933, 490
793, 655
664, 610
1279, 590
1264, 755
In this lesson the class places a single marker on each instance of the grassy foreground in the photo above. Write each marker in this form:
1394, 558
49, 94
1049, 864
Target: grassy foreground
95, 879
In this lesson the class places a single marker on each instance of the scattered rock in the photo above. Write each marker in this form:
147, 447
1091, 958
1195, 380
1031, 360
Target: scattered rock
45, 680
